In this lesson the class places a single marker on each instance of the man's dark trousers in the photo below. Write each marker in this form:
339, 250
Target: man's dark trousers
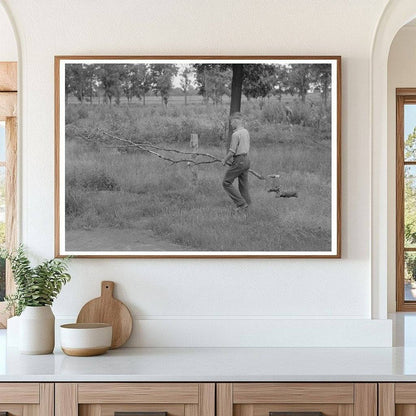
238, 169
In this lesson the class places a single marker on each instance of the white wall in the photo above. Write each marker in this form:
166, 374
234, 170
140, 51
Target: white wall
179, 302
8, 47
401, 74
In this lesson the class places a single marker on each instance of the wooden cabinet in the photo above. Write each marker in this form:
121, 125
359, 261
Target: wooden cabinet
27, 399
106, 399
297, 399
208, 399
397, 399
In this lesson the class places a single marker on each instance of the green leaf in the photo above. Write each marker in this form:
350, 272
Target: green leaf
35, 286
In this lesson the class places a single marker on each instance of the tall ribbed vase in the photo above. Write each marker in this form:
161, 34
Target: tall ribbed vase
37, 330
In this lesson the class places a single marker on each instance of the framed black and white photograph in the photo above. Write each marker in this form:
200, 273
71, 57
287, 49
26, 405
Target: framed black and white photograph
197, 156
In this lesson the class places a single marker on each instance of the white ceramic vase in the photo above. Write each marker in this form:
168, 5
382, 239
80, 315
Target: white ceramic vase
37, 330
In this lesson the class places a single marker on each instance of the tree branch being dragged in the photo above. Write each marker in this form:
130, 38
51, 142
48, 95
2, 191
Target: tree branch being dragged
164, 153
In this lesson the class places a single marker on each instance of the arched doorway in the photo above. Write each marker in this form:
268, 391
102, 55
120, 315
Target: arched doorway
396, 14
8, 148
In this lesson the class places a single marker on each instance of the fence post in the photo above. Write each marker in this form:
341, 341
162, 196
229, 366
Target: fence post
193, 143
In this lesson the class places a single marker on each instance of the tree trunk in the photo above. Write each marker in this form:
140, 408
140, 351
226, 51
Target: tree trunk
144, 99
186, 98
205, 95
325, 93
236, 88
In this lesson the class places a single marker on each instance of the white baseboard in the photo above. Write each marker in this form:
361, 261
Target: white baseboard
253, 332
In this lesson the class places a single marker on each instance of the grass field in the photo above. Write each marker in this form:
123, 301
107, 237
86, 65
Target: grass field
107, 188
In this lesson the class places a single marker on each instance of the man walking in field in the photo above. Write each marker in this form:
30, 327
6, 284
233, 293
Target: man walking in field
238, 152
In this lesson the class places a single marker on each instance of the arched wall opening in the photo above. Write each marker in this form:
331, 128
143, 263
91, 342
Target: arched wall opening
401, 73
9, 217
397, 14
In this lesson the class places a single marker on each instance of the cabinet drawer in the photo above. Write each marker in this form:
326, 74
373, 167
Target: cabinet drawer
19, 393
22, 399
297, 399
397, 399
144, 409
138, 393
107, 399
293, 393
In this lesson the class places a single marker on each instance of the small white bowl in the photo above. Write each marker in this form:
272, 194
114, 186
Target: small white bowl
84, 340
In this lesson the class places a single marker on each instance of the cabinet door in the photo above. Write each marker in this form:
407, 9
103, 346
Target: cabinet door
144, 399
26, 399
397, 399
297, 399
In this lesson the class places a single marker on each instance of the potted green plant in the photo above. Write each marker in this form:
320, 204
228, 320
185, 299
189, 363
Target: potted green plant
36, 289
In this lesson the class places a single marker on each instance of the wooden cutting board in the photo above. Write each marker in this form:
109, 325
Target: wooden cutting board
107, 309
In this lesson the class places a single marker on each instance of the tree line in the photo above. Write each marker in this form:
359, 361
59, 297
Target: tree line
212, 81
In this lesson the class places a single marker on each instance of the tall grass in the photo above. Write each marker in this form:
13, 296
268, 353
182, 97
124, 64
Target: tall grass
143, 191
174, 124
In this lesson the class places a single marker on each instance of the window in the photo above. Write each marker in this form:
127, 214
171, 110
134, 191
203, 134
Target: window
406, 199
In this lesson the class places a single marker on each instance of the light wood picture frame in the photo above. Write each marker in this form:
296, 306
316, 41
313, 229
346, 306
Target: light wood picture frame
139, 142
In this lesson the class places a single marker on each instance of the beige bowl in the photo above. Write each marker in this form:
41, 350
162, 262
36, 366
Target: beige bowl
83, 340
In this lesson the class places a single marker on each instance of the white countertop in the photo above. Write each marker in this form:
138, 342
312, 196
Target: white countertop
213, 364
222, 364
